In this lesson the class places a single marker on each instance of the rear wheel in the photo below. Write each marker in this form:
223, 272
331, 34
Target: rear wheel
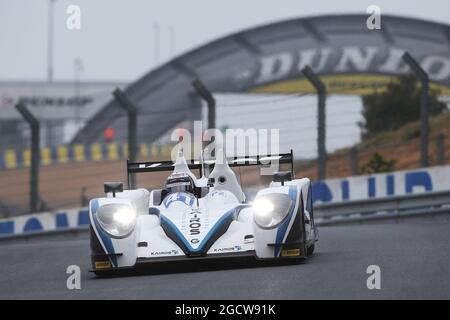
304, 247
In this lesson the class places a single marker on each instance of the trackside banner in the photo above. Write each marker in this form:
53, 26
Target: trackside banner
332, 190
43, 222
382, 185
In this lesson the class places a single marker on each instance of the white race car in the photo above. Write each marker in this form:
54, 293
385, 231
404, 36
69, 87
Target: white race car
200, 219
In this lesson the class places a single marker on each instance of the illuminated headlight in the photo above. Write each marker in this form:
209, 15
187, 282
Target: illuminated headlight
271, 209
118, 220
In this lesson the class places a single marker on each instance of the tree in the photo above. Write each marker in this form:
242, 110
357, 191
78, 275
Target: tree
399, 104
377, 164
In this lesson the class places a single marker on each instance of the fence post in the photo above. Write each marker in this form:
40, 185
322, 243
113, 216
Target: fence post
206, 95
354, 161
131, 110
4, 210
321, 92
35, 156
84, 199
440, 149
423, 77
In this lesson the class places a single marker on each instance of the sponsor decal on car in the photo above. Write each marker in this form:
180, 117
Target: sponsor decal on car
103, 265
235, 248
182, 197
194, 224
164, 253
290, 253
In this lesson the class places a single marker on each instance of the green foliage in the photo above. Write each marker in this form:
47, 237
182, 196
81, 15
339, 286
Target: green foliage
377, 164
399, 104
224, 128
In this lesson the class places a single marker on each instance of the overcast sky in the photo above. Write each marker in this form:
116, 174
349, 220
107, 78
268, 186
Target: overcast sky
116, 40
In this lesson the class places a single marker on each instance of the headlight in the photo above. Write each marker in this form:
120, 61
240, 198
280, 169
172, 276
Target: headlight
116, 219
271, 209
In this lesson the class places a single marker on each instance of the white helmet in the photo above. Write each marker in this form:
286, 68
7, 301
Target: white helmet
179, 182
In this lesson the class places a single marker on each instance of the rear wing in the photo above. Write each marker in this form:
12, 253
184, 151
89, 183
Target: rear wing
156, 166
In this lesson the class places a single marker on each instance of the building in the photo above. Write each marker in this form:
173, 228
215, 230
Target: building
61, 107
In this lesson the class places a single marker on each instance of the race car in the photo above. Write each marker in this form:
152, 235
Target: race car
202, 218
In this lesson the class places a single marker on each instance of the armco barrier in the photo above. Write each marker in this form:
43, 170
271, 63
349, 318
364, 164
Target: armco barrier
397, 207
397, 203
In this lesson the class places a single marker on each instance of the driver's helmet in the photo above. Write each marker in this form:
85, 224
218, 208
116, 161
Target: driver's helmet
179, 182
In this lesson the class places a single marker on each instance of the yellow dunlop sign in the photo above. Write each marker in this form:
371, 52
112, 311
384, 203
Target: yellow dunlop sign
102, 265
358, 84
290, 253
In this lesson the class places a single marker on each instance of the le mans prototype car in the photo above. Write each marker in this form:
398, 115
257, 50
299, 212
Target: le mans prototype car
201, 219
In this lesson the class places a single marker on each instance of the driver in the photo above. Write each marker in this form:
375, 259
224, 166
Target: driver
179, 182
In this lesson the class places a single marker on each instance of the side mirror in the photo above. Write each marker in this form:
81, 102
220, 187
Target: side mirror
113, 187
282, 176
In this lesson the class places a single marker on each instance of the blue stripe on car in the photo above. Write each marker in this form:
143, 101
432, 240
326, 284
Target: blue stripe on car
283, 227
103, 235
226, 217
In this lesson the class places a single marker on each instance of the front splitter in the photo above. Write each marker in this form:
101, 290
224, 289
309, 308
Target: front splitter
223, 261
